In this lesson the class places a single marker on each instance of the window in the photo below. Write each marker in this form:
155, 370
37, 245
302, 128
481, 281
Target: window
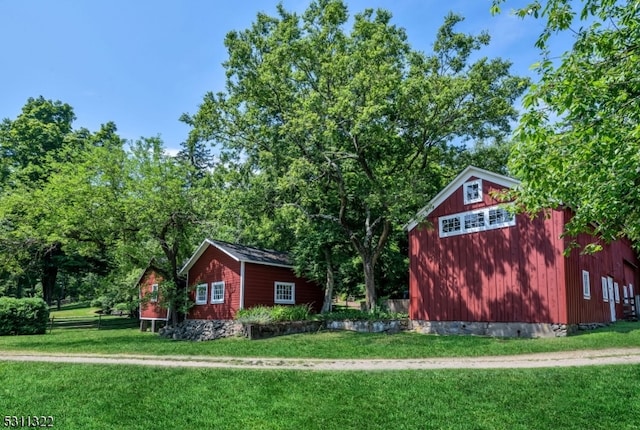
201, 294
586, 286
154, 293
499, 216
217, 292
450, 225
616, 291
474, 220
477, 220
285, 292
605, 290
472, 191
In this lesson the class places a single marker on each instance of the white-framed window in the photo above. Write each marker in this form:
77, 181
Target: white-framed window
605, 290
450, 225
201, 294
154, 293
616, 292
285, 292
472, 191
586, 285
217, 292
473, 220
477, 220
499, 217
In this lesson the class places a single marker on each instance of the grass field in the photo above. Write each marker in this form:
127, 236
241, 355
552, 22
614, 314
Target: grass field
115, 397
73, 310
319, 345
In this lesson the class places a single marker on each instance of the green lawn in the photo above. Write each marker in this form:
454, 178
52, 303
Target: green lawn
106, 397
319, 345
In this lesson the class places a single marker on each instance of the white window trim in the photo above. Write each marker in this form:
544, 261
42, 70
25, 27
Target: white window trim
469, 184
213, 288
198, 287
586, 285
464, 230
292, 301
154, 293
605, 289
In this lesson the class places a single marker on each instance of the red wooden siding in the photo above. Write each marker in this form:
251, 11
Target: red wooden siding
610, 262
503, 275
150, 310
214, 265
260, 286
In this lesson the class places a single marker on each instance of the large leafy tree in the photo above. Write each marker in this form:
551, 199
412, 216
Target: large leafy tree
579, 140
352, 124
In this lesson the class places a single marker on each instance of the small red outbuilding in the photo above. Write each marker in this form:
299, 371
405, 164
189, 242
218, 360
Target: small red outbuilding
148, 291
477, 268
225, 277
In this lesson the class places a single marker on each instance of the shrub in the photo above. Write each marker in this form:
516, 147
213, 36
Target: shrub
23, 316
267, 314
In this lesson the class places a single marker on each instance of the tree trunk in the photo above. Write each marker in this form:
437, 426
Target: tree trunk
49, 276
369, 282
328, 289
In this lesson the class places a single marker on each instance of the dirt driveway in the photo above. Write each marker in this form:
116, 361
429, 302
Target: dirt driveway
554, 359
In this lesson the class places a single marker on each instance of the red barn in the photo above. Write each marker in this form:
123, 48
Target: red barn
476, 268
148, 292
226, 277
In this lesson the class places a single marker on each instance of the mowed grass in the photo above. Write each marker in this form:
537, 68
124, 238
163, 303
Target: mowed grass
318, 345
73, 310
82, 396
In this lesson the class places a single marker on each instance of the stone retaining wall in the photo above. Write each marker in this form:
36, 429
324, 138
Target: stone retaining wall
199, 330
389, 326
494, 329
262, 331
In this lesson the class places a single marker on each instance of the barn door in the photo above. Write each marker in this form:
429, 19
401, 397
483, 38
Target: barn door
612, 302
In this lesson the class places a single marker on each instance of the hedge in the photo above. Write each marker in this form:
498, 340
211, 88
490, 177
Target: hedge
23, 316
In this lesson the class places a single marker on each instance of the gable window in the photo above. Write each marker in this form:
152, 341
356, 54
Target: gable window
477, 220
473, 220
217, 292
586, 285
285, 292
605, 290
499, 216
201, 294
154, 293
472, 191
450, 225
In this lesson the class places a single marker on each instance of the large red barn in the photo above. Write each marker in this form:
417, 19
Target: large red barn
225, 277
477, 268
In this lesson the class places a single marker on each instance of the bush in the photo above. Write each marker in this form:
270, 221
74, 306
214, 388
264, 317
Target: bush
266, 314
23, 316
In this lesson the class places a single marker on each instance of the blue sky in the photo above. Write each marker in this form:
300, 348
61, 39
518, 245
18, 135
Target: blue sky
143, 63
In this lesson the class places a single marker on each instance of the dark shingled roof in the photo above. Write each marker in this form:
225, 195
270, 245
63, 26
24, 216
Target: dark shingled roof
253, 255
241, 253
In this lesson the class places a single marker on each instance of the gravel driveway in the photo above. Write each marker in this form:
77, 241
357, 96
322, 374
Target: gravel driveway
552, 359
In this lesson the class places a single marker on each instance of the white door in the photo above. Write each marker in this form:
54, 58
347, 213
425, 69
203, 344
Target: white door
612, 302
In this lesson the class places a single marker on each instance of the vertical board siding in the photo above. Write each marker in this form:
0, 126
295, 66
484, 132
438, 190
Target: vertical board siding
508, 274
260, 286
214, 265
149, 310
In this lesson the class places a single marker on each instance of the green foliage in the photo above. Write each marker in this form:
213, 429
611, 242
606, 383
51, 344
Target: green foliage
350, 127
23, 316
273, 314
578, 144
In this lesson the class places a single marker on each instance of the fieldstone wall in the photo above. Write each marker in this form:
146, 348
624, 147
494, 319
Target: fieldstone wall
262, 331
493, 328
199, 330
389, 326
